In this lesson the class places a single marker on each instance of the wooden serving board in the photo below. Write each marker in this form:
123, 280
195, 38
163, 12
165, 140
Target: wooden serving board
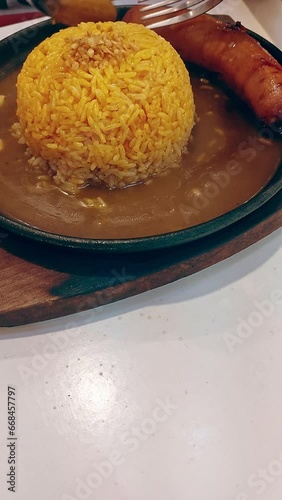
40, 282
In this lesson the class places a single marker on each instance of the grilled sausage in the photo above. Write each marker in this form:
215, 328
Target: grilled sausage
241, 62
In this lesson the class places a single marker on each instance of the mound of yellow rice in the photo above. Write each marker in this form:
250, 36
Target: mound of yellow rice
104, 103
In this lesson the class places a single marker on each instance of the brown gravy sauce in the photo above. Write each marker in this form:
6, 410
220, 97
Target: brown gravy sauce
227, 164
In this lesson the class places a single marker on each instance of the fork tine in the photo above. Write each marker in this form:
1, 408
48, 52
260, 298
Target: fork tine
178, 5
165, 3
156, 5
191, 13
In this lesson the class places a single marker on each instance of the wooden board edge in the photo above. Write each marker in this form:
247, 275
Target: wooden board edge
66, 306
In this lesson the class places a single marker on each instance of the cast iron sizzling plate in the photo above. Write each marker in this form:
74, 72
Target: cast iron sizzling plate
13, 51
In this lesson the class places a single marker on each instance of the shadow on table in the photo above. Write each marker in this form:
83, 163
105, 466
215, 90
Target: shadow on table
207, 281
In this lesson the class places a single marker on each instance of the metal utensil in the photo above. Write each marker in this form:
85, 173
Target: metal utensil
187, 9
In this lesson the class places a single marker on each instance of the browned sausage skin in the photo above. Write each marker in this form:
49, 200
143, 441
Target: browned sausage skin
242, 63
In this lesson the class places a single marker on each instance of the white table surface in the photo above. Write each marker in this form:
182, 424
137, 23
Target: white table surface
175, 394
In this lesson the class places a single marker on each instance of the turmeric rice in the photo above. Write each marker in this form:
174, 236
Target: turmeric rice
106, 103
